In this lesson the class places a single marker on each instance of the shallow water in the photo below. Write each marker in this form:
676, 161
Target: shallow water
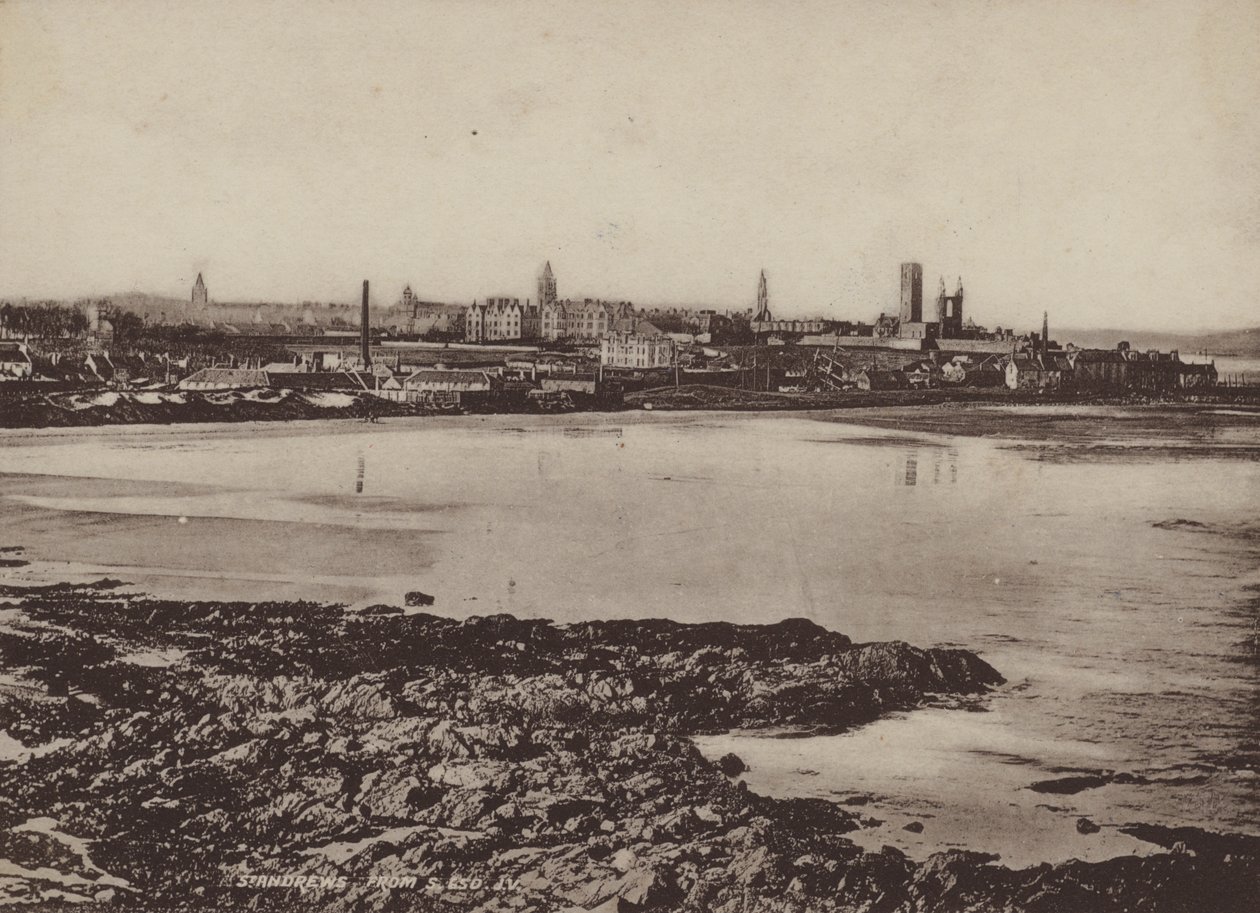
1128, 647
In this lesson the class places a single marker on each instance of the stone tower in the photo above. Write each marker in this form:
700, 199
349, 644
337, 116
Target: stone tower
200, 297
546, 287
911, 293
949, 311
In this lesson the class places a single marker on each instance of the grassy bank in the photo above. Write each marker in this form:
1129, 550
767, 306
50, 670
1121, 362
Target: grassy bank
697, 396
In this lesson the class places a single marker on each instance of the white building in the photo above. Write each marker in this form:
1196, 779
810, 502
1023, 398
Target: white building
636, 350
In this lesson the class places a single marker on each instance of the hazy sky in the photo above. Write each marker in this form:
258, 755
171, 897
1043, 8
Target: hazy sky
1099, 159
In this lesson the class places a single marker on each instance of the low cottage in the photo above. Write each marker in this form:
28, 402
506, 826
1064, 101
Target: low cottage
458, 387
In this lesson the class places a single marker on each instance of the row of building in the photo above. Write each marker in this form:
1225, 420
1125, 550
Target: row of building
495, 388
1099, 370
82, 368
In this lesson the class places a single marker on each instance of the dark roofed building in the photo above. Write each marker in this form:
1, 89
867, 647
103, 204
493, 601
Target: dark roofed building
321, 380
1100, 369
1036, 372
15, 361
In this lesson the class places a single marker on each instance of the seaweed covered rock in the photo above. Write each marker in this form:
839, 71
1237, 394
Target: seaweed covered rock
223, 755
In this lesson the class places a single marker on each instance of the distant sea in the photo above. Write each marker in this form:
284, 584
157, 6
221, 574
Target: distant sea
1242, 369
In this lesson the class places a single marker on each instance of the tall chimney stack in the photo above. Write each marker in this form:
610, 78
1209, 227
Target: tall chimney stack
366, 352
1045, 330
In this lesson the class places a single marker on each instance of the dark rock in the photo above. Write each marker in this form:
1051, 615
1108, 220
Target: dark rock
1085, 826
417, 598
914, 827
380, 609
560, 755
1069, 786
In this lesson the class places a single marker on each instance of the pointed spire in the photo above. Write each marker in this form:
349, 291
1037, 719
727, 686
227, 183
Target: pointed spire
547, 269
763, 299
958, 291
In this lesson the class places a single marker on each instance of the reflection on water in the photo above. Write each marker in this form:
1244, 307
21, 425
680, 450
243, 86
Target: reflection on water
944, 468
1127, 645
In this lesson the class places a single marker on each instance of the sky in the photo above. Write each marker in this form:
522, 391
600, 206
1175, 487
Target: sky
1099, 160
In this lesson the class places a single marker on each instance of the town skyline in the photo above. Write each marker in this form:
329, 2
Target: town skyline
391, 297
1092, 162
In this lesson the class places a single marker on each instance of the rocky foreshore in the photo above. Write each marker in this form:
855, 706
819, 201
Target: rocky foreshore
159, 755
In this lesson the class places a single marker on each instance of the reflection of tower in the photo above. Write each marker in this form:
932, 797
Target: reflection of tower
200, 297
912, 469
911, 293
359, 476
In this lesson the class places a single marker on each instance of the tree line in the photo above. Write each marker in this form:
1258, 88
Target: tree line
57, 320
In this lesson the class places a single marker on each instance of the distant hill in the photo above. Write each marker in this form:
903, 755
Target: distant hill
1228, 342
140, 301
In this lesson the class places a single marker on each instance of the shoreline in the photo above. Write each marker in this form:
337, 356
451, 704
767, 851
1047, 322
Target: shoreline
97, 408
297, 739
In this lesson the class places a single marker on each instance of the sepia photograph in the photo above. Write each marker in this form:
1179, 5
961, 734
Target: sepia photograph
603, 456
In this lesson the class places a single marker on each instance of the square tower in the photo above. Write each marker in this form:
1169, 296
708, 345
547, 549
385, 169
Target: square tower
911, 293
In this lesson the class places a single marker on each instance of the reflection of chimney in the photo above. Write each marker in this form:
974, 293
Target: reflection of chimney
366, 352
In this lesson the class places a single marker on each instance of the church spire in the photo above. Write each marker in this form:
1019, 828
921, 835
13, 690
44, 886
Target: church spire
199, 295
763, 299
547, 287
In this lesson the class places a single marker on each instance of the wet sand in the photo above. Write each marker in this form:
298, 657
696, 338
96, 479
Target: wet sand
1089, 431
1114, 590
